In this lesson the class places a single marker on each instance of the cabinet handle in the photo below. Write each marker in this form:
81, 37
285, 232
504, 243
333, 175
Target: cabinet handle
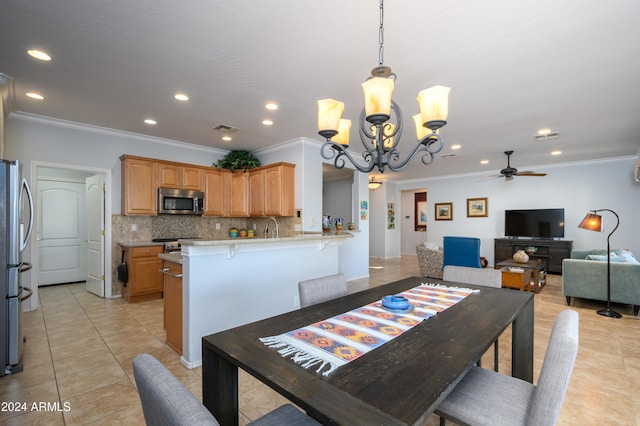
166, 272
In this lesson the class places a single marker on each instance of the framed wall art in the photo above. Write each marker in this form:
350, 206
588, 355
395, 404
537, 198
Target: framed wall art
477, 207
444, 211
420, 201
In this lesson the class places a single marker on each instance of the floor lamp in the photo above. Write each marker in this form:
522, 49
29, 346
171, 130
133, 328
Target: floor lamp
593, 222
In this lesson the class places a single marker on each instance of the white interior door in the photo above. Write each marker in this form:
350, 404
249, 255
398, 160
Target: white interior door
95, 234
61, 229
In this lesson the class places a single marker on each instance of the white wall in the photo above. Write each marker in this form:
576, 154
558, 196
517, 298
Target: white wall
576, 187
32, 138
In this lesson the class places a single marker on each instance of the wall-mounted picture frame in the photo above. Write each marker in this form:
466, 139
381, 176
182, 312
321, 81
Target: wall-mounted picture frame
420, 222
477, 207
444, 211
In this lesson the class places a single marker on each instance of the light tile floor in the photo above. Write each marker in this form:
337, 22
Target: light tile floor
77, 360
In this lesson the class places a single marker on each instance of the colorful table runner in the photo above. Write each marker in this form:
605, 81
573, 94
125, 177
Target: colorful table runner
345, 337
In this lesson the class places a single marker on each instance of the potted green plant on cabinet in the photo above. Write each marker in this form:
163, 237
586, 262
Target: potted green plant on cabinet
238, 160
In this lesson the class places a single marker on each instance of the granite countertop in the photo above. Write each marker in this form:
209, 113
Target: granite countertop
303, 237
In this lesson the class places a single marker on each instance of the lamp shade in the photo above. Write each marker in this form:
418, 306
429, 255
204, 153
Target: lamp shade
374, 184
421, 131
377, 96
591, 222
329, 113
344, 128
434, 103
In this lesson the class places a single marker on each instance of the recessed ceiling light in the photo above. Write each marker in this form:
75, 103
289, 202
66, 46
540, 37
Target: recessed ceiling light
456, 146
271, 106
544, 131
267, 122
484, 161
556, 152
34, 95
151, 121
226, 138
181, 97
39, 54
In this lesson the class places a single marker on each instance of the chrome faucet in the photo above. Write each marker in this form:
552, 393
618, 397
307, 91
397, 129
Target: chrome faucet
266, 227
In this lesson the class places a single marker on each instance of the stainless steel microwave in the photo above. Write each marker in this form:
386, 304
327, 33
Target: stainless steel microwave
180, 201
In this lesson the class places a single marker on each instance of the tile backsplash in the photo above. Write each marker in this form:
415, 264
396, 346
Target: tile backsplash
176, 226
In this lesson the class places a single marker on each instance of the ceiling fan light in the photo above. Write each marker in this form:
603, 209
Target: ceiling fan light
377, 96
434, 103
344, 128
329, 113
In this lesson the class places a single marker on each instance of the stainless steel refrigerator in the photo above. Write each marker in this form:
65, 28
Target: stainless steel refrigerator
16, 222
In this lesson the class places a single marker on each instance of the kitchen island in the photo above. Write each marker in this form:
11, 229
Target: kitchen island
227, 283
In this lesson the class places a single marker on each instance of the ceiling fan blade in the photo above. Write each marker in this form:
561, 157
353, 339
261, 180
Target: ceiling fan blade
489, 177
530, 174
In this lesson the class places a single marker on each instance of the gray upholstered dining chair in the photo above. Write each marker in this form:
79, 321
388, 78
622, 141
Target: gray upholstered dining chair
321, 289
165, 401
478, 276
484, 397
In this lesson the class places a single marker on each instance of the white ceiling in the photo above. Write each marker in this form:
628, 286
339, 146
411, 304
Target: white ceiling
514, 67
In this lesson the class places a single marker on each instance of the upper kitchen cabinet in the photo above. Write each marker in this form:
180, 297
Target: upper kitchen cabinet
272, 190
256, 192
172, 175
238, 195
215, 193
139, 185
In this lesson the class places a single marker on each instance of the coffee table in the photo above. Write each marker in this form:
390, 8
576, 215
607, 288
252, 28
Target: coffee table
531, 269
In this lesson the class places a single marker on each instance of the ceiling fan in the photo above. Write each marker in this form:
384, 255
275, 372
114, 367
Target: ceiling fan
509, 172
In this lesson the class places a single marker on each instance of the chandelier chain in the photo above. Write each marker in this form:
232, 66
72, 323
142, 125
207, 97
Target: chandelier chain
381, 35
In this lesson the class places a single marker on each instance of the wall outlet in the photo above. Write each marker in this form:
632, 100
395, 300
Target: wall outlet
312, 222
134, 227
296, 302
217, 226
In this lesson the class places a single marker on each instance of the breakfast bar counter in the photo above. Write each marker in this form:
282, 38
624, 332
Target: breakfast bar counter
228, 283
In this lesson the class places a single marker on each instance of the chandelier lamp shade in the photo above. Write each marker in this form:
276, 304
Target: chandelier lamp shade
593, 222
380, 122
374, 184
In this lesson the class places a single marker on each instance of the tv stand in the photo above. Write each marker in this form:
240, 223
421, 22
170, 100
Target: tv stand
550, 252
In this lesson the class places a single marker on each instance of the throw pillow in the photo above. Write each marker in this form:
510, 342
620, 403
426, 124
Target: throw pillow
628, 256
431, 246
603, 258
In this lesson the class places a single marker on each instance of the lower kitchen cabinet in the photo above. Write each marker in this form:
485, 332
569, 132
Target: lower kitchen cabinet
145, 279
173, 304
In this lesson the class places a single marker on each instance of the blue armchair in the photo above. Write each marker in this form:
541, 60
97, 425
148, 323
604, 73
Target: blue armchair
461, 251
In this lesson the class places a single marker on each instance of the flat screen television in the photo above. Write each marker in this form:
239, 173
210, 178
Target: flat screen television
537, 223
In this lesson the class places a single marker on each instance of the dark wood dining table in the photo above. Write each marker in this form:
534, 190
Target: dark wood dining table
399, 383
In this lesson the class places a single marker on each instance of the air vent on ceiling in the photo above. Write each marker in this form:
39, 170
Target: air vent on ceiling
225, 128
448, 156
547, 136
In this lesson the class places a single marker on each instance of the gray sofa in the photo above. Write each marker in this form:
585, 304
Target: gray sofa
587, 279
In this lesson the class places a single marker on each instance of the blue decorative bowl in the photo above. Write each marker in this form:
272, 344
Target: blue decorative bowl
395, 302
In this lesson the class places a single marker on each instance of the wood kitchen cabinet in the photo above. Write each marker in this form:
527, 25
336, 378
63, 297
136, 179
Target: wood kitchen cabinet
238, 195
145, 279
173, 175
139, 185
279, 189
215, 193
172, 273
272, 190
256, 193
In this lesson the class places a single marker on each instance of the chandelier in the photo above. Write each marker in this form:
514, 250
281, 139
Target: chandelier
381, 121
